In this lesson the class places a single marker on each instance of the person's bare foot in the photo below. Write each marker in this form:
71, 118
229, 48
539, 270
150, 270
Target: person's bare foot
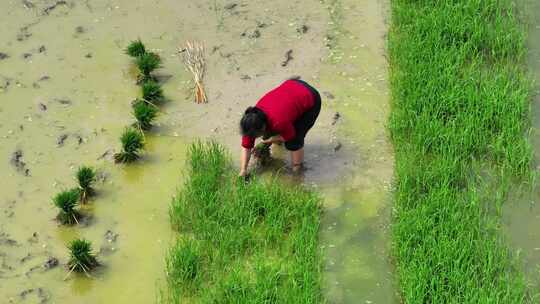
297, 168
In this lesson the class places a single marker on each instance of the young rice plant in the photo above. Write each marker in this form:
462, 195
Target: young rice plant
136, 49
81, 259
132, 143
144, 113
66, 202
86, 177
241, 242
152, 92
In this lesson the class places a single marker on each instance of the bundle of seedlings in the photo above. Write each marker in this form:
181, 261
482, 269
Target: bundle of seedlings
147, 63
136, 48
132, 143
145, 113
86, 176
82, 259
152, 92
193, 57
261, 152
66, 201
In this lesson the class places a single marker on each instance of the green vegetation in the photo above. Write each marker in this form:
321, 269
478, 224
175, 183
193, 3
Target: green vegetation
147, 63
86, 177
241, 242
152, 92
144, 113
132, 143
66, 201
459, 123
136, 48
81, 257
184, 265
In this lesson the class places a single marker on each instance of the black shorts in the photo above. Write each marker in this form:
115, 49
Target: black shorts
304, 123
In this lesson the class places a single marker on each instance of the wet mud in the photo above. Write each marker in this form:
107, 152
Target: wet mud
65, 90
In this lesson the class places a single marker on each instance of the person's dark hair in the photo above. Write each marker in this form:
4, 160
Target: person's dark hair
253, 122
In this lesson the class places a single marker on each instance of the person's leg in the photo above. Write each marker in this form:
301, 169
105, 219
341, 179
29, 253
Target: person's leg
302, 127
297, 159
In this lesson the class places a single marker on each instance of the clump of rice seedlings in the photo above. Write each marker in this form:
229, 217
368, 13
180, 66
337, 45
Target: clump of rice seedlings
145, 113
132, 143
251, 242
152, 91
66, 201
81, 259
86, 177
262, 153
147, 63
136, 48
184, 265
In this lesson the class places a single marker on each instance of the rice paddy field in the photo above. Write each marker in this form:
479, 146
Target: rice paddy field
119, 172
460, 124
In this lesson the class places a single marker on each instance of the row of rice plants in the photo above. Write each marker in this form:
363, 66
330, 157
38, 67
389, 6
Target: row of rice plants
144, 109
459, 124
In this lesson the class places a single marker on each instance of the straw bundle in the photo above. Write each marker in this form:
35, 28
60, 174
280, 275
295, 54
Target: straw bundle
193, 56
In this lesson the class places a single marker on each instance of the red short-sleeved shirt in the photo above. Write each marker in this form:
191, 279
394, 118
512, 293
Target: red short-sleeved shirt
283, 106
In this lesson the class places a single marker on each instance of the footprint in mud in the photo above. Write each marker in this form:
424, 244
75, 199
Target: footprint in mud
109, 247
17, 161
38, 293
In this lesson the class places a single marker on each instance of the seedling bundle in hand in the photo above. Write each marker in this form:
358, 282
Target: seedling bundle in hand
262, 153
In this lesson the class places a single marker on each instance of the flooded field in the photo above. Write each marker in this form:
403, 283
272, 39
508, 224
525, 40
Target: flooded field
65, 93
522, 216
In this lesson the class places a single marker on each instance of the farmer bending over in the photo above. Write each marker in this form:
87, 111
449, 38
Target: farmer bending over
284, 114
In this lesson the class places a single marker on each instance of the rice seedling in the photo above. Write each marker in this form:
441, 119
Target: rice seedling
460, 109
184, 265
262, 153
66, 201
193, 56
81, 257
152, 91
147, 63
132, 143
255, 242
86, 177
136, 48
145, 113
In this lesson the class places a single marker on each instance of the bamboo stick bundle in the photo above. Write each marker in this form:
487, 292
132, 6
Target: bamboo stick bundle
193, 57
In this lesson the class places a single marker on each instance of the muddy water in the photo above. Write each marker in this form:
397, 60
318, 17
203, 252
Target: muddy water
65, 74
522, 215
357, 215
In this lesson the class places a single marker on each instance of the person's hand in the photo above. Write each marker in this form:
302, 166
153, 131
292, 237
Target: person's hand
268, 141
242, 173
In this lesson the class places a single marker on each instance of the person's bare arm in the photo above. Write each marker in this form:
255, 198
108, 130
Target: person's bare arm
244, 161
274, 140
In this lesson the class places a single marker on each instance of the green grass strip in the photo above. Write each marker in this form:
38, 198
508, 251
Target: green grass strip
459, 123
241, 242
